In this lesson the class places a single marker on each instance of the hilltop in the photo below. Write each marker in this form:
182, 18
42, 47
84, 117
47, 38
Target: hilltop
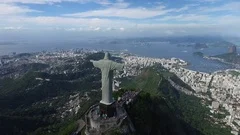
163, 109
229, 58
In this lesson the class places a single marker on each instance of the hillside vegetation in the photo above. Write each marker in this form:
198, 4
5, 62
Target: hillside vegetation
163, 110
31, 103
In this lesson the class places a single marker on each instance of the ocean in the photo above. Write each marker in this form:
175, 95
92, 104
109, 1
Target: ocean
155, 49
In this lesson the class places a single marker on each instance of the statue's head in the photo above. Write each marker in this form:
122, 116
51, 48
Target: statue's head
107, 56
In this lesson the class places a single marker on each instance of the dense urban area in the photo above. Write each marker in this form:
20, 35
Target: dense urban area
41, 88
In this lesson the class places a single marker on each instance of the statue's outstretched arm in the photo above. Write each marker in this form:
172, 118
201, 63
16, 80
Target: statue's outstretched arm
117, 66
96, 63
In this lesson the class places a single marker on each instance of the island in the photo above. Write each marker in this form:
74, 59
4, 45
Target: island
200, 54
200, 46
231, 57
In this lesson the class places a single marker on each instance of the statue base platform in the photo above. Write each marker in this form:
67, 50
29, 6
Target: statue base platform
107, 110
100, 125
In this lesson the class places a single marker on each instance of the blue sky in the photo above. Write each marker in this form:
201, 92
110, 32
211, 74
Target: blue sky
119, 17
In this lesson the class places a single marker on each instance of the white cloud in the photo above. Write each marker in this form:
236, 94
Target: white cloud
10, 9
128, 27
230, 20
97, 29
186, 7
198, 22
169, 32
11, 28
120, 5
136, 13
71, 29
110, 29
104, 2
232, 6
211, 1
63, 22
220, 24
121, 9
187, 17
122, 29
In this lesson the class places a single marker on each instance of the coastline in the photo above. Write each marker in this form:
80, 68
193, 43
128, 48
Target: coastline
221, 60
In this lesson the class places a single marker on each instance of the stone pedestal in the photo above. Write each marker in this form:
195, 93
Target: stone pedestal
99, 125
108, 110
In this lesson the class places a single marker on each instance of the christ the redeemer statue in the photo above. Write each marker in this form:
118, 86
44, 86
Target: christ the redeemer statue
107, 67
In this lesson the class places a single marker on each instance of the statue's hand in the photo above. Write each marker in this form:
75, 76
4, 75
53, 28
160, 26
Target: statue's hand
91, 60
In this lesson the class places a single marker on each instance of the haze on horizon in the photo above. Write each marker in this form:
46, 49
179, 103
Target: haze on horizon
39, 19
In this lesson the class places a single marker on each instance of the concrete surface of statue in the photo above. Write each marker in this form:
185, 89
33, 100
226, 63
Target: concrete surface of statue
107, 67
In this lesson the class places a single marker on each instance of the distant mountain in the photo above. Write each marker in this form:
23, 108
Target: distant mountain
222, 44
229, 57
232, 55
180, 39
200, 54
7, 43
200, 46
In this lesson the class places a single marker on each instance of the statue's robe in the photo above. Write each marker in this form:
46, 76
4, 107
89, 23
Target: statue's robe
107, 67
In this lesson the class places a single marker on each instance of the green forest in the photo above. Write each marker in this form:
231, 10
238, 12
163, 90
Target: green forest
161, 109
